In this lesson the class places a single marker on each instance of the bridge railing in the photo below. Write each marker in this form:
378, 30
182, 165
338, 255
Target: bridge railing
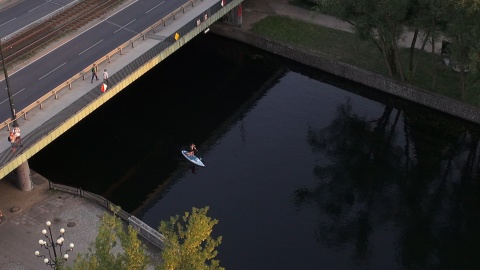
68, 83
143, 229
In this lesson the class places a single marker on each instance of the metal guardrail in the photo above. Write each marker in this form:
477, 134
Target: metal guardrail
89, 196
143, 229
81, 74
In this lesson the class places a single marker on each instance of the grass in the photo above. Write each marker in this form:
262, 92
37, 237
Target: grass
347, 48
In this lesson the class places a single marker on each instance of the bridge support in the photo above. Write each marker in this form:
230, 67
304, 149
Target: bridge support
234, 16
23, 179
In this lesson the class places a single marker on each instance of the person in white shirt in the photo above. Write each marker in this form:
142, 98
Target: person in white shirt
105, 76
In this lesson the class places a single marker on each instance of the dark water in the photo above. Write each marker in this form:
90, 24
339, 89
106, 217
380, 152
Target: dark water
303, 170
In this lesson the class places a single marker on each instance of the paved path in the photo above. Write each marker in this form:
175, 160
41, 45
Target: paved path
259, 9
24, 217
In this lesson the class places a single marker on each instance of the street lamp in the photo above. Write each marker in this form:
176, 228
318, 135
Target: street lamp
51, 246
12, 108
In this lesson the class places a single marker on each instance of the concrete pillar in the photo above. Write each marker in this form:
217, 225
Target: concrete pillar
239, 15
234, 16
23, 177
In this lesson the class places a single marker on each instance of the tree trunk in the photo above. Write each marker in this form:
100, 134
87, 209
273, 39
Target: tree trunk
396, 54
399, 64
386, 58
434, 68
418, 58
387, 53
412, 50
462, 79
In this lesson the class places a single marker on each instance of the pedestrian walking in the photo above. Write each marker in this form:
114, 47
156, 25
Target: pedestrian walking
94, 72
18, 138
105, 76
11, 139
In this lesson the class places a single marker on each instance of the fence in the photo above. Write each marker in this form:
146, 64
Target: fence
143, 229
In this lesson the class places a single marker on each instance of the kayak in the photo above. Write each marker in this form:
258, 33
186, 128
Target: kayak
194, 159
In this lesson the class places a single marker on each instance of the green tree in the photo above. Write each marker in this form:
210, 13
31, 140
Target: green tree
462, 30
101, 254
188, 242
379, 21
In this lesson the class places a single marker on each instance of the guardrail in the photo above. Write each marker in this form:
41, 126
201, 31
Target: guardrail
81, 74
143, 229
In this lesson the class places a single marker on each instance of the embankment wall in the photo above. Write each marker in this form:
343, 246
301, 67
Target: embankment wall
376, 81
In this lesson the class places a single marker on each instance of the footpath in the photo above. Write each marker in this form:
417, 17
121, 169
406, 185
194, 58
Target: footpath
254, 10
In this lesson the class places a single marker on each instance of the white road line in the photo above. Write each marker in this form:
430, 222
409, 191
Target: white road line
154, 7
12, 96
55, 3
91, 47
37, 7
73, 37
51, 71
7, 21
124, 26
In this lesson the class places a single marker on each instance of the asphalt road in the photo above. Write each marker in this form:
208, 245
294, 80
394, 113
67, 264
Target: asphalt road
27, 12
36, 79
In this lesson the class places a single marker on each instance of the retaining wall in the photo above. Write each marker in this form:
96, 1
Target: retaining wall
373, 80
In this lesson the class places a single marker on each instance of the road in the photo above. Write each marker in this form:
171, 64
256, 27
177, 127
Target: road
27, 12
39, 77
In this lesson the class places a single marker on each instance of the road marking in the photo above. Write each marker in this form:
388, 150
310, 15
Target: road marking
7, 21
154, 7
38, 6
124, 26
55, 3
91, 47
73, 37
12, 96
51, 71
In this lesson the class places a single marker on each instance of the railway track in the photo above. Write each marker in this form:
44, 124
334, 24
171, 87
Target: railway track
73, 18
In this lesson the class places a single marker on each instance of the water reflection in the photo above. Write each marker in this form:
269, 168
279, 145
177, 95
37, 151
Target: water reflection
407, 179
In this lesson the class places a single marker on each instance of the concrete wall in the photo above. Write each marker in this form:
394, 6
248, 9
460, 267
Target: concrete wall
384, 84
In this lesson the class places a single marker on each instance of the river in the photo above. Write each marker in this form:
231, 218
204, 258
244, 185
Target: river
304, 170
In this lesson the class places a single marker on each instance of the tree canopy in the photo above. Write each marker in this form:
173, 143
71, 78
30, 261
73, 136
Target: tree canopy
385, 22
102, 254
189, 244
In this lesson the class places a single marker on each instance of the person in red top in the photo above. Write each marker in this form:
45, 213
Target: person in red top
192, 150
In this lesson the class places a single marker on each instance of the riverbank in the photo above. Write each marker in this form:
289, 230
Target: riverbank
254, 11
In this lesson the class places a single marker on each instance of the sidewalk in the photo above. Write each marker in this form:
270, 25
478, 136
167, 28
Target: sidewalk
25, 214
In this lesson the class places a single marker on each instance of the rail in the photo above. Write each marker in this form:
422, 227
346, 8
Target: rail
143, 229
40, 21
68, 20
82, 73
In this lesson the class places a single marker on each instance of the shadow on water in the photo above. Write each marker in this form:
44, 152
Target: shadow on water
131, 144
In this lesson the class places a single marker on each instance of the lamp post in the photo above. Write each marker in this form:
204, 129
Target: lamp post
10, 100
51, 245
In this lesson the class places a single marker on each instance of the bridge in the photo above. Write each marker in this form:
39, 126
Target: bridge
52, 92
